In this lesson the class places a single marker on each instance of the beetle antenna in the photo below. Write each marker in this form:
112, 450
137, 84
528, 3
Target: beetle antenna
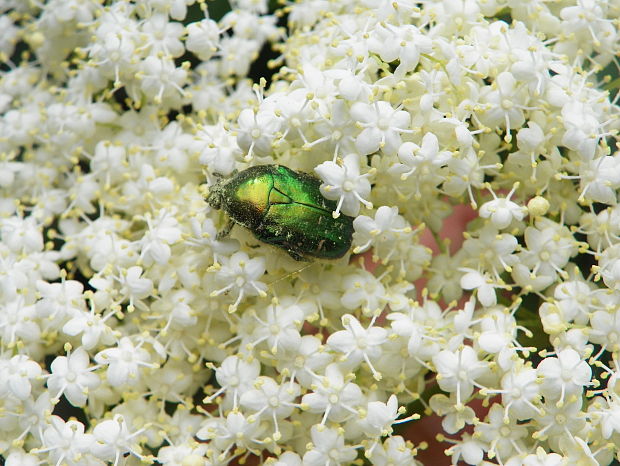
290, 274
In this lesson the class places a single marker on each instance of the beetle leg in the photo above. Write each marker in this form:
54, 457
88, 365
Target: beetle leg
226, 231
295, 255
281, 242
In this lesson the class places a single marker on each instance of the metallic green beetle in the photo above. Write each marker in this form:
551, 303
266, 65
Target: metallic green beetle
284, 208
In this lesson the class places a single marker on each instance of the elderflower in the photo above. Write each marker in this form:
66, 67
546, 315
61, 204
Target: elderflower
472, 147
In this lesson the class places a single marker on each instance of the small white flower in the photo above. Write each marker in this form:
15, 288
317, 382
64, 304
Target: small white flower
91, 325
505, 438
466, 173
482, 283
124, 362
236, 429
457, 371
564, 376
247, 22
531, 140
108, 162
305, 361
502, 210
498, 331
114, 438
469, 449
161, 79
394, 450
578, 299
288, 458
257, 132
415, 324
205, 237
21, 234
541, 457
422, 161
445, 276
525, 277
21, 458
365, 290
343, 182
403, 43
505, 101
66, 442
382, 126
272, 401
162, 232
176, 454
218, 149
171, 148
59, 301
328, 447
358, 343
605, 329
386, 227
602, 229
241, 274
134, 287
332, 396
278, 325
582, 127
203, 38
18, 322
17, 375
609, 411
560, 419
600, 179
148, 185
549, 247
379, 418
521, 392
609, 267
71, 376
163, 36
235, 376
453, 418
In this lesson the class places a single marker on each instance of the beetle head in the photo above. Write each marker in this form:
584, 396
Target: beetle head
214, 198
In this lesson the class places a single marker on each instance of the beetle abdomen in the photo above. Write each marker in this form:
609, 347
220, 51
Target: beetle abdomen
307, 229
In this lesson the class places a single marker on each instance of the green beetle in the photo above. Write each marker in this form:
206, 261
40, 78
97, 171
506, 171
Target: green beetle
284, 208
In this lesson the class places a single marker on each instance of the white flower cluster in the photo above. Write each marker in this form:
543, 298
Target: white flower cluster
171, 343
